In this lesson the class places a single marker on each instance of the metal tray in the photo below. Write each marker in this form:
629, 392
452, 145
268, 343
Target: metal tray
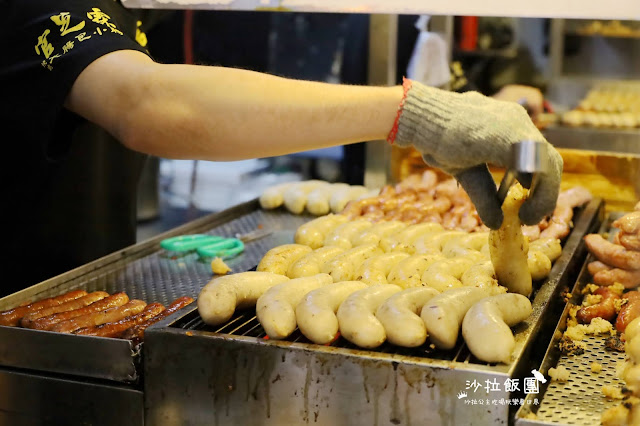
195, 374
143, 271
580, 400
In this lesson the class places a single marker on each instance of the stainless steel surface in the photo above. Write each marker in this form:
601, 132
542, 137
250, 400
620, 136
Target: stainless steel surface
195, 374
143, 271
602, 140
530, 157
383, 41
527, 157
27, 399
580, 400
620, 9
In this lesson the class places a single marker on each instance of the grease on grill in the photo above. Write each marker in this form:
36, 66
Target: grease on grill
614, 343
570, 348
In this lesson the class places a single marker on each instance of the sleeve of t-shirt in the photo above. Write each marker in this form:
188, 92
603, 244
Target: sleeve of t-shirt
50, 43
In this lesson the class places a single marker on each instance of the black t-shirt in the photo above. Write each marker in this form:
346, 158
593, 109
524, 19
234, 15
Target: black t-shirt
70, 189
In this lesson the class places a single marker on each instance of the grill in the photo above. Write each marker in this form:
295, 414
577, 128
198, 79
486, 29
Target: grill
195, 374
580, 400
144, 271
244, 378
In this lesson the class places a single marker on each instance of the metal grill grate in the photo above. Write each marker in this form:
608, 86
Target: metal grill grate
580, 400
155, 275
247, 324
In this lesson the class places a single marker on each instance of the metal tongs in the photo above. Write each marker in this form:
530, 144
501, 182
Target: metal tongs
528, 159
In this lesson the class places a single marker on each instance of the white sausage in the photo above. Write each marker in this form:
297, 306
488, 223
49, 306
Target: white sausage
272, 197
400, 316
318, 199
280, 258
377, 232
480, 274
465, 243
219, 299
275, 309
341, 197
551, 247
509, 248
358, 323
311, 263
539, 264
445, 274
486, 326
295, 197
408, 236
375, 269
408, 272
316, 312
342, 234
343, 267
444, 313
312, 233
433, 244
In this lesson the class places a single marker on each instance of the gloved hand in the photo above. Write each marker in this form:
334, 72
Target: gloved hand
462, 133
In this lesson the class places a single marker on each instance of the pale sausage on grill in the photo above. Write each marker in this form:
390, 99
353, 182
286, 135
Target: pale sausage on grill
115, 328
46, 323
316, 312
486, 326
110, 315
80, 302
275, 309
356, 315
444, 313
219, 299
12, 316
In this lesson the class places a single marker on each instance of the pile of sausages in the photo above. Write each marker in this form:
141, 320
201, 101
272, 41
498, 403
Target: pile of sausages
91, 314
618, 262
418, 199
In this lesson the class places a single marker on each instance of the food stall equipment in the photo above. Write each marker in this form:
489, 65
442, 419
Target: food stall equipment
232, 374
580, 399
184, 373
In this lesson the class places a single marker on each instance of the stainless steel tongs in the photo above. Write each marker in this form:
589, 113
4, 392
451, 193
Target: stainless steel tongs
528, 159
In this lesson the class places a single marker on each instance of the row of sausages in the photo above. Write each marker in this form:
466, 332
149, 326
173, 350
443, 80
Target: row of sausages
91, 314
617, 261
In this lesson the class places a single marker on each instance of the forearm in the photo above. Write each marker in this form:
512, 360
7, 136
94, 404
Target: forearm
229, 114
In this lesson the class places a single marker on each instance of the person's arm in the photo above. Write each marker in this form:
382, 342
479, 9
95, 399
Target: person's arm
213, 113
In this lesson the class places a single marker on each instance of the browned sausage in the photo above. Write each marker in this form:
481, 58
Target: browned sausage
137, 333
630, 310
113, 329
12, 316
91, 320
78, 303
46, 323
605, 309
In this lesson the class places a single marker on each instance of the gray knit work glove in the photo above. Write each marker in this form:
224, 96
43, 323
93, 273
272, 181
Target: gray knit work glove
460, 133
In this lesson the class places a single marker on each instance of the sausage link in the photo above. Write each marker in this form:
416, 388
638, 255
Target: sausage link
114, 329
47, 323
80, 302
605, 309
630, 310
136, 333
110, 315
12, 316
